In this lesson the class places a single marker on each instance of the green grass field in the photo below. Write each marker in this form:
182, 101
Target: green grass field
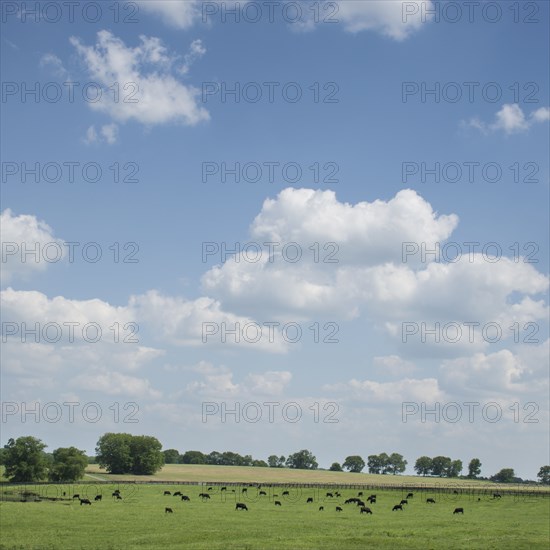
139, 519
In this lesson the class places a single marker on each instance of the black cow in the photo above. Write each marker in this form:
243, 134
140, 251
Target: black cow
98, 497
209, 488
177, 494
309, 500
430, 501
455, 492
321, 508
459, 511
168, 511
116, 491
277, 503
205, 496
186, 498
241, 506
245, 490
76, 496
404, 501
365, 510
372, 500
285, 493
263, 493
360, 494
372, 496
397, 507
330, 495
223, 489
338, 509
337, 494
85, 501
360, 503
497, 495
410, 495
165, 492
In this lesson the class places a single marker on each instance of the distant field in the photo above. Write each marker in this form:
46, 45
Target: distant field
228, 474
139, 520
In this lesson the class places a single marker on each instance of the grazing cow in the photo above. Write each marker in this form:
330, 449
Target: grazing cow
309, 500
186, 498
372, 500
168, 511
116, 491
223, 489
98, 497
76, 496
241, 506
263, 493
372, 496
497, 495
410, 495
337, 494
404, 501
360, 494
85, 501
285, 493
209, 488
330, 495
167, 493
177, 494
277, 503
245, 490
338, 509
321, 508
205, 496
397, 507
360, 503
459, 511
365, 510
430, 501
455, 492
479, 500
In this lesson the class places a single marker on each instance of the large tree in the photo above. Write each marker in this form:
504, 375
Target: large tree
454, 468
544, 475
423, 465
506, 475
396, 464
171, 456
113, 453
275, 461
302, 460
68, 464
354, 464
147, 457
335, 467
474, 468
193, 457
25, 460
441, 465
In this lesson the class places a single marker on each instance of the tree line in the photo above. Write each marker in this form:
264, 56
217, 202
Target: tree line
25, 460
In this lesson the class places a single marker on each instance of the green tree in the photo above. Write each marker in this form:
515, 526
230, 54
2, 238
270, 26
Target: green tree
193, 457
474, 468
354, 464
396, 464
260, 463
454, 468
275, 461
68, 464
114, 454
171, 456
544, 475
214, 458
423, 465
374, 464
302, 460
506, 475
441, 465
335, 467
24, 459
147, 457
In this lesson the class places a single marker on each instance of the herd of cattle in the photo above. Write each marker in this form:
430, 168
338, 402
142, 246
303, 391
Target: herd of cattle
357, 501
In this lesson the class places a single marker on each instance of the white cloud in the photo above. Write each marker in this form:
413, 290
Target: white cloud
147, 90
196, 51
180, 15
22, 234
56, 65
115, 383
395, 19
394, 365
510, 119
108, 133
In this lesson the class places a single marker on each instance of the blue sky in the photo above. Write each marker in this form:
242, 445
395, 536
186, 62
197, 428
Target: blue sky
171, 55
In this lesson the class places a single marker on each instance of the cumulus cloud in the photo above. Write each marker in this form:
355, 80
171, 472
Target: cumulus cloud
55, 64
21, 235
393, 365
108, 133
181, 15
510, 119
148, 91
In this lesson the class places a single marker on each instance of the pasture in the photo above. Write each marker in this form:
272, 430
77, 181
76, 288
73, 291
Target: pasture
139, 520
